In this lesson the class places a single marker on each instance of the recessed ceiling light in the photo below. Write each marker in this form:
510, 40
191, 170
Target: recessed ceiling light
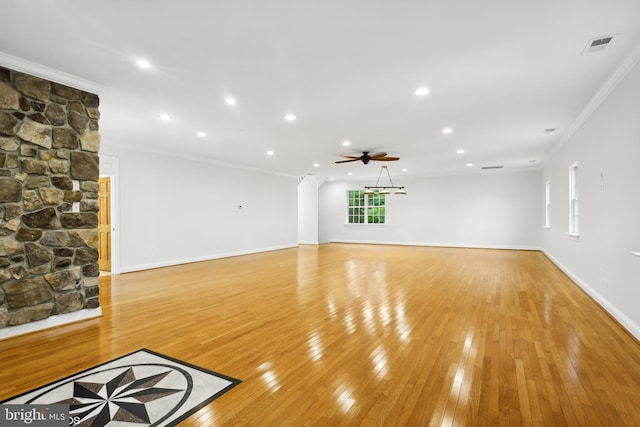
346, 143
469, 165
447, 130
230, 101
460, 151
202, 134
404, 169
143, 63
165, 117
289, 117
422, 91
349, 173
316, 165
270, 153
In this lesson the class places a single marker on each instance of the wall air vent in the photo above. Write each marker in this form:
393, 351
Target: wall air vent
492, 167
598, 44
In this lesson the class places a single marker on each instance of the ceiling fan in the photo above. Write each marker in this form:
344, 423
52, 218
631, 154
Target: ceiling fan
366, 157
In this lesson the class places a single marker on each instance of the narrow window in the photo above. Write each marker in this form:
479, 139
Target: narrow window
573, 199
355, 211
547, 205
376, 208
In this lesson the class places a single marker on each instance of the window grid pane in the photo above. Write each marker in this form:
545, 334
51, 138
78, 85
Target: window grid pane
355, 213
365, 208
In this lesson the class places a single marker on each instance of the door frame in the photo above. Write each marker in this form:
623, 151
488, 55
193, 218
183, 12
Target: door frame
110, 166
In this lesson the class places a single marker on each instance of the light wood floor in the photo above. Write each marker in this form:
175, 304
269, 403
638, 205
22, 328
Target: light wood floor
362, 335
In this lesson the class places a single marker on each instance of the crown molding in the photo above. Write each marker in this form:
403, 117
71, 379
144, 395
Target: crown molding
105, 148
605, 90
51, 74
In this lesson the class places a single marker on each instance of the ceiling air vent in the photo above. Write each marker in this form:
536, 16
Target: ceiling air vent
492, 167
597, 45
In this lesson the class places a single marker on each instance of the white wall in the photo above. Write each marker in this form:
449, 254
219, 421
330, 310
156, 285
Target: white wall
491, 210
607, 149
175, 210
308, 211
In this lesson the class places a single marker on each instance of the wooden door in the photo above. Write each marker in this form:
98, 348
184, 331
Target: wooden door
104, 224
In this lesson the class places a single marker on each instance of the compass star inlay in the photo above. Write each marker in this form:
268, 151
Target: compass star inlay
122, 398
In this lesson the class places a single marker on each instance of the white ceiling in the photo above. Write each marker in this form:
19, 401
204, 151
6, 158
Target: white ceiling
500, 72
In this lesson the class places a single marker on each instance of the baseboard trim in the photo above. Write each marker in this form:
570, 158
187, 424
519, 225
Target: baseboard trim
309, 242
438, 245
151, 266
50, 322
619, 316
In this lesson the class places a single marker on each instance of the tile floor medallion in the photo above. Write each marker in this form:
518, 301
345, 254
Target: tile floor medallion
144, 388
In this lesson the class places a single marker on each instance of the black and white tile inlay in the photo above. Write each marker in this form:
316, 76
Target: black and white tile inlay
143, 388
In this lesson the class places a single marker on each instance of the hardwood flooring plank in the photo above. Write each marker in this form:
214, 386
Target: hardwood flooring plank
345, 334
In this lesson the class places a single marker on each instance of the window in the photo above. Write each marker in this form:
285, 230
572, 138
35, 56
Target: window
366, 208
573, 199
547, 204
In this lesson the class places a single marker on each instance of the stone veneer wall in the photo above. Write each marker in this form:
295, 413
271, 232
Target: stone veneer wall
49, 174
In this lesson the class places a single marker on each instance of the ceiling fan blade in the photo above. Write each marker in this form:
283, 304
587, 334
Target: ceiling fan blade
366, 157
377, 155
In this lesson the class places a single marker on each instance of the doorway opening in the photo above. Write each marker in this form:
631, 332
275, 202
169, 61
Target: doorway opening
108, 241
104, 225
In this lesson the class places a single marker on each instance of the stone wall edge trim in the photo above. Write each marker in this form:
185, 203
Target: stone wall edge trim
51, 322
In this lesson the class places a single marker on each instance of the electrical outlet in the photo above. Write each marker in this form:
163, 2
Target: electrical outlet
76, 185
75, 207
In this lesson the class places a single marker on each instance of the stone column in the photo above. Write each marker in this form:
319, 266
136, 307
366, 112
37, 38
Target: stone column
49, 144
